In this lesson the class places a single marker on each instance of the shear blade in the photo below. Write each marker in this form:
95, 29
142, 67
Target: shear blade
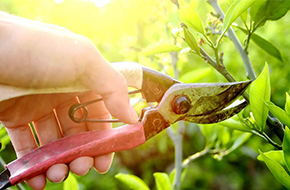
4, 179
224, 95
219, 115
201, 103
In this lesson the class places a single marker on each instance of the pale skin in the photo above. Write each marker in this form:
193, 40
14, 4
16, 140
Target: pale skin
38, 55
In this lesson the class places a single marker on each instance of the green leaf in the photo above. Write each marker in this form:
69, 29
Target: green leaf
162, 181
195, 75
267, 46
190, 40
245, 113
5, 140
4, 137
160, 47
286, 147
279, 113
236, 10
271, 10
277, 170
224, 137
244, 17
287, 105
234, 124
260, 92
71, 183
193, 4
229, 13
264, 45
282, 8
209, 131
132, 181
189, 17
276, 155
239, 140
255, 8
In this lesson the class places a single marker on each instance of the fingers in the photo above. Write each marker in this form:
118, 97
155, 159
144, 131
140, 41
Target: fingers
67, 125
22, 146
57, 173
54, 126
103, 163
98, 110
81, 165
37, 182
119, 106
47, 130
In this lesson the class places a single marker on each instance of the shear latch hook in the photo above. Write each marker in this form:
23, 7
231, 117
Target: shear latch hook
85, 111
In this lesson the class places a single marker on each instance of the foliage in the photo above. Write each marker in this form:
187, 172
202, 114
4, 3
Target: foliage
5, 140
132, 181
279, 161
160, 47
217, 137
163, 181
193, 43
259, 93
70, 183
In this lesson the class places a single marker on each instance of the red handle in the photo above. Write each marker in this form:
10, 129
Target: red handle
64, 150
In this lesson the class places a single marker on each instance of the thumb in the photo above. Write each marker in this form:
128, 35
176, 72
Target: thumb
118, 105
104, 80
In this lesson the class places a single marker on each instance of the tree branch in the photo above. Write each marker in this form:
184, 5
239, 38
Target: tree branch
195, 156
177, 140
221, 69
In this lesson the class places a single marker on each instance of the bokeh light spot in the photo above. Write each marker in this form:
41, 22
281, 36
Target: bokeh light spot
58, 1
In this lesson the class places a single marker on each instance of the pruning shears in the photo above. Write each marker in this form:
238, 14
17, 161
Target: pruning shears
197, 103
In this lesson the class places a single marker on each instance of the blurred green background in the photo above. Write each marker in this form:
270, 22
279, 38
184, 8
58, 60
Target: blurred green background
121, 29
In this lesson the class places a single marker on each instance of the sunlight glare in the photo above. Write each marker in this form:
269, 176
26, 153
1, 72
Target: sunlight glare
99, 3
58, 1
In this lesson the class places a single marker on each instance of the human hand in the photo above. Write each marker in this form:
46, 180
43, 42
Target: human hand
37, 55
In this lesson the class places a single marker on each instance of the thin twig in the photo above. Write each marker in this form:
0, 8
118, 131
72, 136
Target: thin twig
195, 156
248, 40
244, 55
268, 139
221, 69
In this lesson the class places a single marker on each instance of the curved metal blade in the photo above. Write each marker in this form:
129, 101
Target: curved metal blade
217, 116
204, 100
223, 97
4, 179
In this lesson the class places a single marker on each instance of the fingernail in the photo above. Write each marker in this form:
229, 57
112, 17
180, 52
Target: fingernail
62, 179
88, 171
107, 164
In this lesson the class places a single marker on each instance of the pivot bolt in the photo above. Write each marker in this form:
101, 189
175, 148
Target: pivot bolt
181, 104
